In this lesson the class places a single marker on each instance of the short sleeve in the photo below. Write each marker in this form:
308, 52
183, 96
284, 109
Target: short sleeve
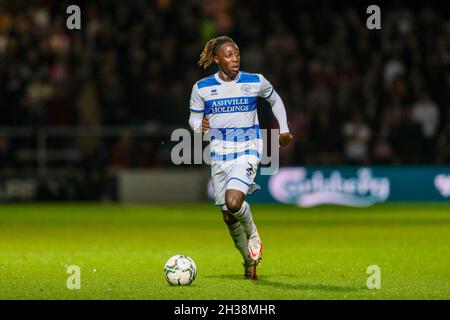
266, 88
196, 103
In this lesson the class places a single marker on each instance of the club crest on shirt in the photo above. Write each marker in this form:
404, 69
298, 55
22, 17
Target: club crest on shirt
246, 89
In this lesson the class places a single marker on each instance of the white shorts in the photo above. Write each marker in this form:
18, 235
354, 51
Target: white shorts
237, 174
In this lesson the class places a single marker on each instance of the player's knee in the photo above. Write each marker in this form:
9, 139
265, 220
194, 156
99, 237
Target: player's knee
233, 204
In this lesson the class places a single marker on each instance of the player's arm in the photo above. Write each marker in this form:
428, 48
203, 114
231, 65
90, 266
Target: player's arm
278, 109
197, 121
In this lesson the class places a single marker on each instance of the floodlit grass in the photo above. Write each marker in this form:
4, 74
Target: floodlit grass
318, 253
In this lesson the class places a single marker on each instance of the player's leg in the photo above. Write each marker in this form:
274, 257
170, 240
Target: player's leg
237, 233
240, 209
243, 216
219, 174
241, 178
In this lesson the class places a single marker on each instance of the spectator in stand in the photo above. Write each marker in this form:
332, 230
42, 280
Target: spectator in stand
6, 158
357, 136
408, 140
121, 157
426, 113
382, 148
443, 144
327, 137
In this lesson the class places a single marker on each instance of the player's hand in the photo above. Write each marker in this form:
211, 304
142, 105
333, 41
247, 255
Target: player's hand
205, 125
285, 139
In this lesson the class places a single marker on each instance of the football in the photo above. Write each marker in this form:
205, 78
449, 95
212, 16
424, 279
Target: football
180, 270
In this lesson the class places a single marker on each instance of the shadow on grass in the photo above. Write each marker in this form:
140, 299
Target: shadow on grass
262, 281
226, 276
305, 286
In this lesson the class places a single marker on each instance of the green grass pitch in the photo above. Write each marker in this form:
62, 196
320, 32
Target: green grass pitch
317, 253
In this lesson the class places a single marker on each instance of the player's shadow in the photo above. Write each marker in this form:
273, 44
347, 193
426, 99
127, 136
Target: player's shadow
304, 286
262, 281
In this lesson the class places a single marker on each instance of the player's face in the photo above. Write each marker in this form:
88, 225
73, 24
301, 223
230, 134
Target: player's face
228, 58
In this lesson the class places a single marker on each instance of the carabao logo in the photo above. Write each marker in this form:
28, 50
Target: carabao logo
442, 183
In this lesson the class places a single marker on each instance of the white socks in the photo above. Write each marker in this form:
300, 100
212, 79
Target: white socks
240, 239
244, 216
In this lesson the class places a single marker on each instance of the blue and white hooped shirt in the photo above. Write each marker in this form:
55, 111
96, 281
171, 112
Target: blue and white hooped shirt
231, 109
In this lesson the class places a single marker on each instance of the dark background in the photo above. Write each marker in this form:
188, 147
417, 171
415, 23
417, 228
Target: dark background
353, 95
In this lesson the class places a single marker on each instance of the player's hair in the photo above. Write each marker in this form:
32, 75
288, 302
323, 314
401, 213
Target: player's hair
206, 57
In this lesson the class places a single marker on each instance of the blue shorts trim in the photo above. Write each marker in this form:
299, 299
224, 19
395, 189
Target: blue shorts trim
233, 178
